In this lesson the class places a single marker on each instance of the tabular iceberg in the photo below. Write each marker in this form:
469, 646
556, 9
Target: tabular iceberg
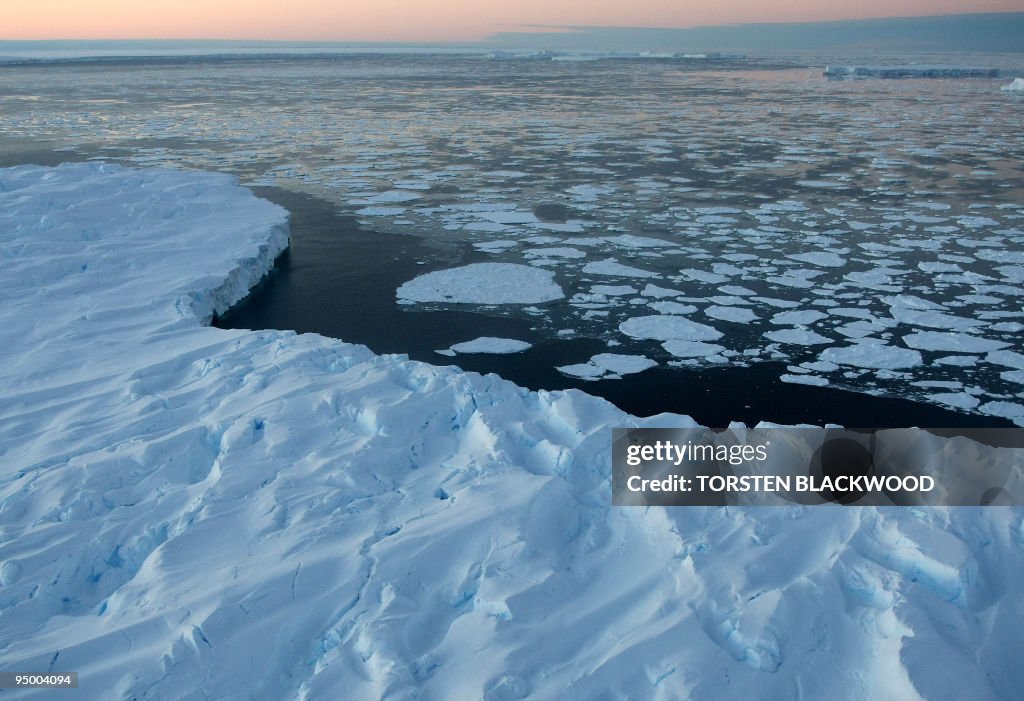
189, 512
911, 71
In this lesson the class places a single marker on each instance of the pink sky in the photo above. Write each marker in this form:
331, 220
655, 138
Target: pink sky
421, 20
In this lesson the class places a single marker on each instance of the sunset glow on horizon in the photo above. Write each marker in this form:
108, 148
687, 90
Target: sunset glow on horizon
421, 20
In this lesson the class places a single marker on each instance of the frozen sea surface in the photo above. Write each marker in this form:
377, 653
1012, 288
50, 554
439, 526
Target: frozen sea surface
747, 189
190, 511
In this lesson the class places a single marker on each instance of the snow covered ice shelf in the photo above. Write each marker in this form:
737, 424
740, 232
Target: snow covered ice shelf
187, 512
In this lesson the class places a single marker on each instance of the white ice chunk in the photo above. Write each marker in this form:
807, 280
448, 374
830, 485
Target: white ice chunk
508, 217
813, 380
608, 366
659, 292
798, 337
1010, 359
589, 193
908, 310
798, 318
613, 290
878, 356
380, 211
621, 364
490, 344
957, 400
583, 371
703, 276
1013, 376
389, 197
1006, 410
959, 342
965, 361
664, 328
555, 252
610, 266
740, 315
483, 283
692, 349
822, 258
631, 241
736, 290
669, 307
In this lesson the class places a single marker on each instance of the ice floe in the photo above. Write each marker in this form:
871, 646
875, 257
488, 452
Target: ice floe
878, 356
483, 283
959, 342
692, 349
798, 318
739, 315
490, 344
666, 327
607, 366
610, 266
799, 337
813, 380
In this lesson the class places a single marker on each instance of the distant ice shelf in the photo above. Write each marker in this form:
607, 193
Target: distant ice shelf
911, 71
190, 512
572, 56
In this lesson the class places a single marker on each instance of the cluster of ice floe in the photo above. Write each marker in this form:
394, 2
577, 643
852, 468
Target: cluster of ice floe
190, 512
877, 298
850, 204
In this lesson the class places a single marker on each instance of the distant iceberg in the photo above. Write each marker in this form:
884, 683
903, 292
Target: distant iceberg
709, 56
1017, 85
911, 71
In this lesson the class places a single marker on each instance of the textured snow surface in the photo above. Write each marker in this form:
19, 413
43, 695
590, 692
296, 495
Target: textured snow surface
187, 512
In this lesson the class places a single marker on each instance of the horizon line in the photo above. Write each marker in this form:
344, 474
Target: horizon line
558, 30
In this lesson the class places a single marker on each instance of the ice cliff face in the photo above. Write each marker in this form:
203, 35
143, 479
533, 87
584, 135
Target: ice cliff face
187, 512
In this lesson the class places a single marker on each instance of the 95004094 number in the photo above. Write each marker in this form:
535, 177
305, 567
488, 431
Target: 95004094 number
50, 680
